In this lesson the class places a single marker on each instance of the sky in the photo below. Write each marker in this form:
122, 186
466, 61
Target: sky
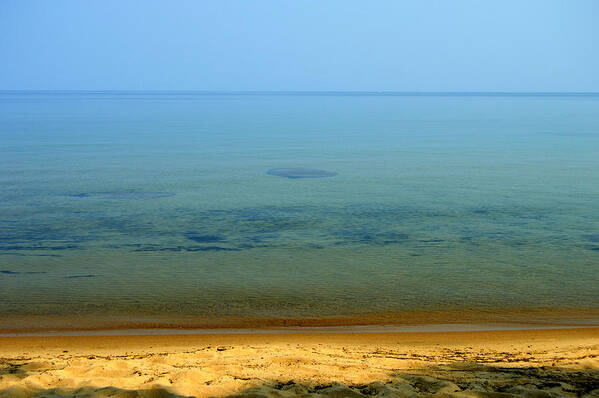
379, 45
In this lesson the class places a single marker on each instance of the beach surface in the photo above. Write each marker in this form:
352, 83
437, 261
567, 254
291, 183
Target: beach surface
534, 363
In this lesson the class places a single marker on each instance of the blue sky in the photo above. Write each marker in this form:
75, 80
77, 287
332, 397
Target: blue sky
507, 45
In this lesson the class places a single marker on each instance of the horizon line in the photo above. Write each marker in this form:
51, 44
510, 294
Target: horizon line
298, 92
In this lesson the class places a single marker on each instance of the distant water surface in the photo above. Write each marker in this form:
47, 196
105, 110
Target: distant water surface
159, 207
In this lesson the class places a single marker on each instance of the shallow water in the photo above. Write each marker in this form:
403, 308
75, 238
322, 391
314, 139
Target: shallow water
160, 205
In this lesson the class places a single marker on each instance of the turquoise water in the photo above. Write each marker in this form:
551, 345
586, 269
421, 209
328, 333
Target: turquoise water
159, 205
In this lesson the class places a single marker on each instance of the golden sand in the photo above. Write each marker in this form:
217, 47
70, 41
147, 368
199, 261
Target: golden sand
534, 363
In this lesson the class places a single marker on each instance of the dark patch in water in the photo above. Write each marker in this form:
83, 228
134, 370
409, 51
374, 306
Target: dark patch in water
470, 240
29, 255
203, 238
591, 237
7, 272
151, 248
119, 195
242, 228
372, 236
210, 249
595, 248
21, 247
42, 235
392, 237
430, 240
80, 276
64, 247
299, 172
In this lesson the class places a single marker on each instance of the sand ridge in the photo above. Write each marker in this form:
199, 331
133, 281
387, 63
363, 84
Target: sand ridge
542, 363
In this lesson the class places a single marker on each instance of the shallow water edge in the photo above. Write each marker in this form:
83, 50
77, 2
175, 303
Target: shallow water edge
432, 321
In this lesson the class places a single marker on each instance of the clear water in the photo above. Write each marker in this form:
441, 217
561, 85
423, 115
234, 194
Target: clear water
159, 204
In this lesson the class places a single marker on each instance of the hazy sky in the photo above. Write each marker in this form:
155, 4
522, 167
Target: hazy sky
501, 45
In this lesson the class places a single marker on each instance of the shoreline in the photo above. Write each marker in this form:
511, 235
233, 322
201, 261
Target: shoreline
367, 329
441, 320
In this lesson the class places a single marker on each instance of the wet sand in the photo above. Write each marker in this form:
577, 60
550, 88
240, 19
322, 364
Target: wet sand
539, 363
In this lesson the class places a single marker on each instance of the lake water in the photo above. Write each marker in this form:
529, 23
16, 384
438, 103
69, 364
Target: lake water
156, 208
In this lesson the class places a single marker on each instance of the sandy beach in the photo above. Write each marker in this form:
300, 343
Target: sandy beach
533, 363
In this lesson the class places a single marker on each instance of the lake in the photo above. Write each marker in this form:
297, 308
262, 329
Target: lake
167, 209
